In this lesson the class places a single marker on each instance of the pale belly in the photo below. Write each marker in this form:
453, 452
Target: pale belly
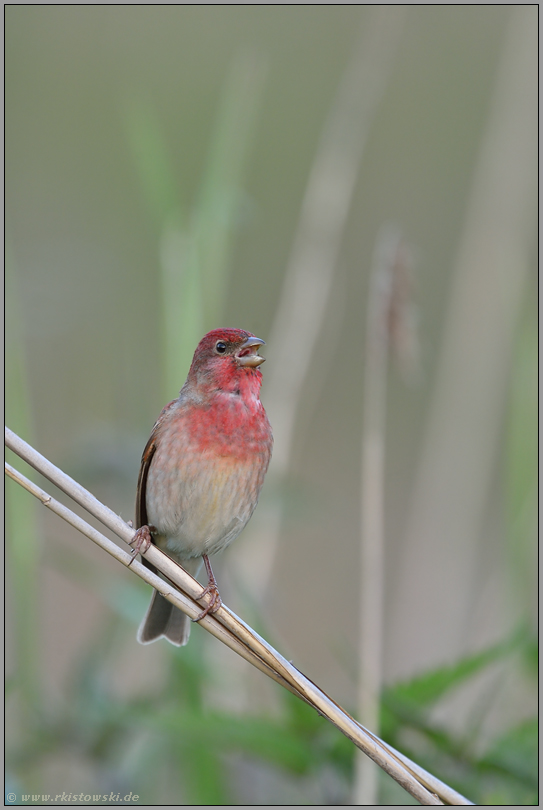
200, 507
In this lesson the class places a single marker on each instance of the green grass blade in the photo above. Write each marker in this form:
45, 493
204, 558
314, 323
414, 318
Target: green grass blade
218, 207
195, 254
516, 752
151, 159
427, 689
181, 305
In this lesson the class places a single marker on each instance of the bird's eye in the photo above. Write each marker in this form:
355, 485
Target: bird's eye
220, 347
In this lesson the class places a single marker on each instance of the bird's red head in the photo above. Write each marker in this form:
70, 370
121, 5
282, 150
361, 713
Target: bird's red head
224, 358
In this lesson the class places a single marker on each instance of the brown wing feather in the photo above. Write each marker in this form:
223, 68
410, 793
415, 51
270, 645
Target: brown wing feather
147, 457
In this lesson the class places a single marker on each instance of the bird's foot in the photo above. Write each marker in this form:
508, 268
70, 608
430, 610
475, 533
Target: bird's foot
141, 541
214, 604
210, 590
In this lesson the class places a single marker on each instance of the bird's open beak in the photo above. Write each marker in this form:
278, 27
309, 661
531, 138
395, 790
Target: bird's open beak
247, 355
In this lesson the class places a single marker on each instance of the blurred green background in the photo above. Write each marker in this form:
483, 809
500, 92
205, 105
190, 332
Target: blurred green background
161, 180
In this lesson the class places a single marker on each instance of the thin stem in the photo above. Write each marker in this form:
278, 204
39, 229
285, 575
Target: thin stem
372, 501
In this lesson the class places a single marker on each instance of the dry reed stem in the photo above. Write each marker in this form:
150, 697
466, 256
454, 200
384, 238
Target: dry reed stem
224, 624
385, 266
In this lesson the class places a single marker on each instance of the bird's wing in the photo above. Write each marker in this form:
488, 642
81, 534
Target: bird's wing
141, 491
146, 459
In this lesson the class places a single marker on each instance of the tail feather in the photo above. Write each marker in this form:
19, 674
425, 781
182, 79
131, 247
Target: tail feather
164, 620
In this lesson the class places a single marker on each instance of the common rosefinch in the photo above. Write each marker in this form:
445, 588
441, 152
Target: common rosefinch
203, 468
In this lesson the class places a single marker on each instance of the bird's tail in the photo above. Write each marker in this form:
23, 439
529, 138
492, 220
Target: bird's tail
165, 620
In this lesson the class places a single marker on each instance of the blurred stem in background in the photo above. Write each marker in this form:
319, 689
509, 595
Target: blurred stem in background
301, 310
389, 326
463, 432
22, 537
195, 247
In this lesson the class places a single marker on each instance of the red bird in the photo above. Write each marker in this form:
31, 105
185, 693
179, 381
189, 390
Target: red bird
203, 468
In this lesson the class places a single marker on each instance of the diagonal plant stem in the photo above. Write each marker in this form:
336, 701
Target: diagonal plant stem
225, 625
181, 600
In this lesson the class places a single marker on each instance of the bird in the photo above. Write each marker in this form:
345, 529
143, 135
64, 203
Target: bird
202, 470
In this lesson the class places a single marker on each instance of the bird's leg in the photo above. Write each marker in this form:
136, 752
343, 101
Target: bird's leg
141, 541
212, 590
